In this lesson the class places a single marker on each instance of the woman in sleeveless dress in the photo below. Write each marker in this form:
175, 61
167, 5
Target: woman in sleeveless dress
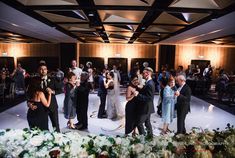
37, 115
131, 105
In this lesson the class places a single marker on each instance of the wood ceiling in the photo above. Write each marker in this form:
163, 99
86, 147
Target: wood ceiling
125, 21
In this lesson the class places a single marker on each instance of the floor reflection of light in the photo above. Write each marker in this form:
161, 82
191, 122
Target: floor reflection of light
210, 108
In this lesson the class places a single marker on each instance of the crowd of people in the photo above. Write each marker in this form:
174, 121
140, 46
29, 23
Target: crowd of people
42, 103
79, 82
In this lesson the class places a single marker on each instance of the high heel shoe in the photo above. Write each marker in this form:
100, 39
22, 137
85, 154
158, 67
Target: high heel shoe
70, 126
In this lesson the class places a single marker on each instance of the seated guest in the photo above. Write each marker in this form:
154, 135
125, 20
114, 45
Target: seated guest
168, 105
131, 106
6, 81
37, 115
82, 92
70, 100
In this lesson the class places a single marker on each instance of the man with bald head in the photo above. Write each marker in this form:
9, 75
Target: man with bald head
183, 103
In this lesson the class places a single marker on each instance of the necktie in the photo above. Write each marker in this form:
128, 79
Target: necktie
43, 84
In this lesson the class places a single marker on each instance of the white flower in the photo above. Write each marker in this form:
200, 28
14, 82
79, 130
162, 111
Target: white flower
151, 155
91, 156
36, 140
118, 140
66, 148
147, 149
138, 148
83, 154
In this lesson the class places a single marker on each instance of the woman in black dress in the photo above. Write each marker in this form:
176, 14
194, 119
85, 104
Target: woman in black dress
131, 110
37, 115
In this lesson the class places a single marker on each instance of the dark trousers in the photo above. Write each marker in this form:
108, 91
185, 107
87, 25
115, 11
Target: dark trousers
102, 105
82, 115
53, 115
181, 115
146, 120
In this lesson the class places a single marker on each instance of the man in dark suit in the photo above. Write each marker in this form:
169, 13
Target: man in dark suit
46, 82
183, 103
82, 92
102, 92
145, 106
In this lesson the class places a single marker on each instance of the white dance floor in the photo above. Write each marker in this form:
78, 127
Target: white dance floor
203, 115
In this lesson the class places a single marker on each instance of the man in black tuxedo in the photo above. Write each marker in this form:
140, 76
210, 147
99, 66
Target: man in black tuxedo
183, 103
102, 92
145, 106
46, 82
82, 92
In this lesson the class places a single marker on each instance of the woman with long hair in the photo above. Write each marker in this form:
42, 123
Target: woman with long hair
131, 105
111, 102
37, 115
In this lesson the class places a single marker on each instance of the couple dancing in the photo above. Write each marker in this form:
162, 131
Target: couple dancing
140, 104
109, 92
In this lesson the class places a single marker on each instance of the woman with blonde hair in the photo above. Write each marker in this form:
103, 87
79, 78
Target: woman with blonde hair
168, 104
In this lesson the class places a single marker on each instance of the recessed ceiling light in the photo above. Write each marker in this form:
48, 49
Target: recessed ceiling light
143, 28
15, 25
90, 14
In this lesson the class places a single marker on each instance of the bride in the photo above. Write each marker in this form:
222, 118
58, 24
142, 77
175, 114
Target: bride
114, 108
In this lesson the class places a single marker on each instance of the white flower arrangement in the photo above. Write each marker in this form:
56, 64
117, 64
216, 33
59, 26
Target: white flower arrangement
35, 143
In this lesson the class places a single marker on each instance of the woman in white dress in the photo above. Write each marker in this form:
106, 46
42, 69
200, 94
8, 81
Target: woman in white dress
111, 101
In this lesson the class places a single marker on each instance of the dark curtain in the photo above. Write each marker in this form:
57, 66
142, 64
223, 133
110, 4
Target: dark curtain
68, 52
167, 56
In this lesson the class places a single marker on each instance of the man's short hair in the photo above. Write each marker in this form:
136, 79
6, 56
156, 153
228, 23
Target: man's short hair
42, 64
149, 69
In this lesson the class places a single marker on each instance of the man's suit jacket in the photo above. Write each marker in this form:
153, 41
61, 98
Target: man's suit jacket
183, 100
145, 97
51, 83
102, 90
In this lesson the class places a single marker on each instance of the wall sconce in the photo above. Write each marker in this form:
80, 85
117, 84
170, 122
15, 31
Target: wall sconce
118, 55
201, 56
4, 54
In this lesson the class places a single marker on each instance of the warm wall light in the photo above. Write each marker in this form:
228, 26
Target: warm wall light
118, 55
201, 56
4, 54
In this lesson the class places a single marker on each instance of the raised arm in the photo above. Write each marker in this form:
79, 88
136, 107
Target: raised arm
130, 94
45, 101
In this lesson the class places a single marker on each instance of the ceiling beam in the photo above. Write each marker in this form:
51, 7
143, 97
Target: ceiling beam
216, 15
214, 39
94, 18
149, 18
21, 36
119, 23
116, 7
20, 7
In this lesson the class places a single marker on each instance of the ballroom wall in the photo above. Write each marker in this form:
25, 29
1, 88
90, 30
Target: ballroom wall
118, 50
29, 50
220, 56
26, 49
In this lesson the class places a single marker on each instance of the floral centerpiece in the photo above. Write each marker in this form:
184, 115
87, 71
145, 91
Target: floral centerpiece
35, 143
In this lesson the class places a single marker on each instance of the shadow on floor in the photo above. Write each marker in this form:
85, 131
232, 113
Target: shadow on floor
11, 102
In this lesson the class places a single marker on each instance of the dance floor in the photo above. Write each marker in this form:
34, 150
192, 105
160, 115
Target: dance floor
203, 115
